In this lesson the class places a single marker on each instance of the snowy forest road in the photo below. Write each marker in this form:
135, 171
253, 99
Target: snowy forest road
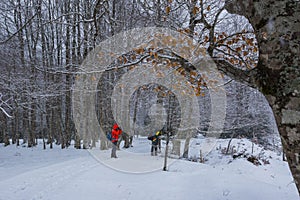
32, 174
42, 182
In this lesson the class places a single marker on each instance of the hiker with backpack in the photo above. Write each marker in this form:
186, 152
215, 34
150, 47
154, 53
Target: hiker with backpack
155, 140
115, 133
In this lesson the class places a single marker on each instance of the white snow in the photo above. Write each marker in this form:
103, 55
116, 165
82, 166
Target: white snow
33, 173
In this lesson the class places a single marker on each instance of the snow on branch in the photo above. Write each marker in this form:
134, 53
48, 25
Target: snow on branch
2, 109
5, 103
243, 76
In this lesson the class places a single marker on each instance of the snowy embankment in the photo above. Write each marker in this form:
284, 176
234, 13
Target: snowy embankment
33, 173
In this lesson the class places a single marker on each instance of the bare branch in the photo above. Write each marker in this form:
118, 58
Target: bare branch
2, 109
5, 103
243, 76
20, 29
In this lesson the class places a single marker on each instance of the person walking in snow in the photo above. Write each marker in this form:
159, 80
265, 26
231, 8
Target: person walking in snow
154, 139
115, 132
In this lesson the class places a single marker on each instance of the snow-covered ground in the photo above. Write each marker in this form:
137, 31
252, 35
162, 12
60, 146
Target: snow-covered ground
33, 173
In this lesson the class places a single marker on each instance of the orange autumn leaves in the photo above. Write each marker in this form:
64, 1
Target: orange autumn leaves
239, 49
156, 59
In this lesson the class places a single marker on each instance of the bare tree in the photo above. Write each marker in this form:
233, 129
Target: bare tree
48, 40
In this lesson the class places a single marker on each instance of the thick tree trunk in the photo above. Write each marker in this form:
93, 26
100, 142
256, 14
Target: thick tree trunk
276, 25
287, 118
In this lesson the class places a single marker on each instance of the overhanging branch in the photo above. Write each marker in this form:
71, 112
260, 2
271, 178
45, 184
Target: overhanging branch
20, 29
245, 77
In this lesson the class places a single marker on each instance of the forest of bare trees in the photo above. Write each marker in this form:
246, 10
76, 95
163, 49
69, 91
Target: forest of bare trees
43, 44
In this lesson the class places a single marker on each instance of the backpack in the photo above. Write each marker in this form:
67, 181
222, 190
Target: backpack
109, 136
150, 137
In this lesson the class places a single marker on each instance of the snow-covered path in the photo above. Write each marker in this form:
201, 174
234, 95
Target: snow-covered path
78, 174
40, 183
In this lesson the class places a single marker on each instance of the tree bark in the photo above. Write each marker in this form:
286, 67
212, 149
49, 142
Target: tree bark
276, 25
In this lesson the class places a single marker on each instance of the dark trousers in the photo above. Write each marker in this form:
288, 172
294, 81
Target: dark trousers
154, 150
114, 149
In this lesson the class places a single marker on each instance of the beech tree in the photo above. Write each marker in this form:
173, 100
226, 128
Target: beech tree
268, 60
48, 40
277, 75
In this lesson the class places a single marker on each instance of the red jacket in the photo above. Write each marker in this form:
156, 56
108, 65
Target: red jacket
116, 131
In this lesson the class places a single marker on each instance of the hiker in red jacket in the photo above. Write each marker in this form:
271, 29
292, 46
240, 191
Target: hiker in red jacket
115, 132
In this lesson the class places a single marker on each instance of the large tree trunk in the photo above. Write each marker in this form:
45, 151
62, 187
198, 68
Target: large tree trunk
276, 25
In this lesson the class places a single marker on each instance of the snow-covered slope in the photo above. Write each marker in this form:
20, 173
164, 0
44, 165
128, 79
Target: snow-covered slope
33, 173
